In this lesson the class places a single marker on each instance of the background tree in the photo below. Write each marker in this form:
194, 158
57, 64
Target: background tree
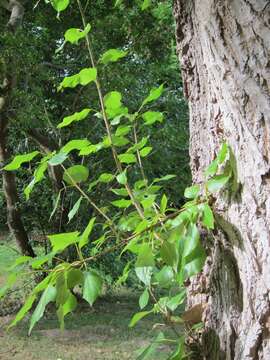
224, 52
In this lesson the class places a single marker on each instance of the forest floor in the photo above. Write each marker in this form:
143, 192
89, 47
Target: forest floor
98, 333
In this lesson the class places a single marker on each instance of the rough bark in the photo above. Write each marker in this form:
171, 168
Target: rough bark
224, 52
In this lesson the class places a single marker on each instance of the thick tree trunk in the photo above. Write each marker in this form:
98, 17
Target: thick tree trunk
224, 51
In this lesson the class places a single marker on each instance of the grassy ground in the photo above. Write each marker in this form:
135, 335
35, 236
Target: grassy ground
99, 333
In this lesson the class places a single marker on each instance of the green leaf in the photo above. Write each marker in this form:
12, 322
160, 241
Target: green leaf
222, 154
148, 352
138, 316
74, 145
194, 266
38, 176
191, 240
37, 262
74, 35
75, 209
144, 299
120, 192
176, 300
179, 353
48, 296
146, 4
84, 77
151, 117
169, 254
112, 55
24, 310
76, 174
145, 151
139, 145
119, 141
69, 306
212, 168
127, 158
106, 178
165, 277
192, 192
208, 217
144, 274
19, 261
77, 116
154, 95
148, 201
92, 286
122, 178
123, 203
164, 178
145, 257
9, 282
19, 160
85, 235
59, 5
56, 203
87, 76
74, 277
60, 241
218, 182
57, 159
113, 100
163, 204
122, 130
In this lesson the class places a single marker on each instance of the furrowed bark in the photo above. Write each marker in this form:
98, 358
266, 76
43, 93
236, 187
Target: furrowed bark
224, 49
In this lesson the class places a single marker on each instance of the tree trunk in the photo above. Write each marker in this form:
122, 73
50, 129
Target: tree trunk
15, 224
224, 51
14, 220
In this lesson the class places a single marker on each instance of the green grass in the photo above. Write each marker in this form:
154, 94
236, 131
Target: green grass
100, 333
7, 256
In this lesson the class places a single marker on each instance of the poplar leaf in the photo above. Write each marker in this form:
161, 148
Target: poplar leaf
19, 160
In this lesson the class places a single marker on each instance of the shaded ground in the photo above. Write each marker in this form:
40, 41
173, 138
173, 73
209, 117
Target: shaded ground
99, 333
91, 334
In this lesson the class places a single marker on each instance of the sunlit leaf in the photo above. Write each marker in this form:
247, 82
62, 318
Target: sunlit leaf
73, 35
138, 316
92, 286
112, 55
77, 116
85, 235
76, 174
192, 192
60, 241
19, 160
48, 296
144, 298
154, 94
150, 117
59, 5
75, 209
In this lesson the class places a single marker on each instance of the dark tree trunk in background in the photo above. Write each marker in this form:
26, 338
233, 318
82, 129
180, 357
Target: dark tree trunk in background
224, 52
14, 220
